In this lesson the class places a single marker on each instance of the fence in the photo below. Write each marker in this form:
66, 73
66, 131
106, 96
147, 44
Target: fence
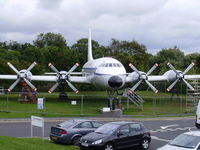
11, 104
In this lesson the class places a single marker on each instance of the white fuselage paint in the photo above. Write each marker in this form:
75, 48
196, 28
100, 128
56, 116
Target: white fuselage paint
99, 71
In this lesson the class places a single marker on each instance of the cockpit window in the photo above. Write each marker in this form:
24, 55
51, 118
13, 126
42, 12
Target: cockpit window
110, 65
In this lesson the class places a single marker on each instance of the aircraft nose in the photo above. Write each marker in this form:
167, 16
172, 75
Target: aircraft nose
115, 82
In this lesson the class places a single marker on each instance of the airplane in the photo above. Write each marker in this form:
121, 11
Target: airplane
106, 72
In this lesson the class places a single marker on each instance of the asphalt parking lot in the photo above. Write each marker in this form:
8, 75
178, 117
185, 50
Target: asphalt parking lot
162, 129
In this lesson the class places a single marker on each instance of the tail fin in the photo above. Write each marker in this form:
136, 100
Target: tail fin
90, 47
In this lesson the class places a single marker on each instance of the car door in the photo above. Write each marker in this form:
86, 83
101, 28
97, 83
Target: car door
136, 133
122, 137
85, 127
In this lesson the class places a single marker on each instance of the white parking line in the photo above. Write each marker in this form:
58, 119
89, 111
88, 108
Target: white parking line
172, 129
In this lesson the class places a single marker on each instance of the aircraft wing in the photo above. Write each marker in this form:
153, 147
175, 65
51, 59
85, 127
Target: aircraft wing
79, 79
74, 79
191, 77
44, 78
8, 77
157, 78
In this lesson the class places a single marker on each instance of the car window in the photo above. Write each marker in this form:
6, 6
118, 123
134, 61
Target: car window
67, 124
85, 125
124, 130
186, 141
96, 124
135, 127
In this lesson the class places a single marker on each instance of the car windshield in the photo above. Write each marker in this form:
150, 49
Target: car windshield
107, 129
67, 124
187, 141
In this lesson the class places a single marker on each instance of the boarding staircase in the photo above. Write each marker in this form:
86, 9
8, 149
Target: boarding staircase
193, 96
134, 98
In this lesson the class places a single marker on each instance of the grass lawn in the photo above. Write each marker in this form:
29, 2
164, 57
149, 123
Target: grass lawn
12, 143
90, 105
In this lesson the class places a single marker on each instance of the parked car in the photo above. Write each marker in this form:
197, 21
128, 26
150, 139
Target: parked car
185, 141
197, 122
117, 135
70, 132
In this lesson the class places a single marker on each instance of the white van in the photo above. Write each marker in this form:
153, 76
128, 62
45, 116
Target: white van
197, 123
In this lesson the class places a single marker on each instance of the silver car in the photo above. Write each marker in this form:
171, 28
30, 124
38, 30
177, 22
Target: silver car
70, 132
185, 141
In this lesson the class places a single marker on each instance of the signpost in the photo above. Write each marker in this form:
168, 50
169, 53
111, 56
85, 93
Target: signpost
38, 122
40, 103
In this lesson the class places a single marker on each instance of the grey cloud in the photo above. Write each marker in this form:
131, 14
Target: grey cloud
155, 23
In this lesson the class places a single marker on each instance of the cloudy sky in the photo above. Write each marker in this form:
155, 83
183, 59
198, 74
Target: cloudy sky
155, 23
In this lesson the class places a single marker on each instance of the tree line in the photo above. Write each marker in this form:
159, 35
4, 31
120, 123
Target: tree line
53, 47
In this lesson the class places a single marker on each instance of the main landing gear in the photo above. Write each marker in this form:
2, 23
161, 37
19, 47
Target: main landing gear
111, 97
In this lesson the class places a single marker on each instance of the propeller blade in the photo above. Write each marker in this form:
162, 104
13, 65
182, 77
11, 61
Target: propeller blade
136, 85
14, 84
152, 69
73, 68
188, 68
151, 86
13, 68
188, 84
30, 84
72, 87
31, 66
172, 85
53, 68
53, 87
135, 69
172, 67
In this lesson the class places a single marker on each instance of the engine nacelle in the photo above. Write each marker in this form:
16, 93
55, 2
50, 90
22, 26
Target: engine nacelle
171, 75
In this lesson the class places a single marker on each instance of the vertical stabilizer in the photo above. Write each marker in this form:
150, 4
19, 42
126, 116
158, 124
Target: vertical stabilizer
90, 47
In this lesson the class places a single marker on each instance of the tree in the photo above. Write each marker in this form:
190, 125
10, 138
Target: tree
50, 39
81, 48
63, 59
131, 51
173, 55
9, 55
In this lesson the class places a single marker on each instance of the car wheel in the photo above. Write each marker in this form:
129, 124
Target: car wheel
108, 146
76, 141
145, 144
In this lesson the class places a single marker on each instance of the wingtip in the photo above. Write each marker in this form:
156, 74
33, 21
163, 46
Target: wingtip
156, 91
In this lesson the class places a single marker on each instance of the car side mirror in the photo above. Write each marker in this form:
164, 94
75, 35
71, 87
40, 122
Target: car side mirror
119, 134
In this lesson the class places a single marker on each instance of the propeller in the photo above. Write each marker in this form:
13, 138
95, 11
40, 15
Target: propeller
24, 75
180, 76
63, 77
144, 77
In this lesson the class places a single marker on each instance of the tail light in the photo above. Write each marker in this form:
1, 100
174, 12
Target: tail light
63, 132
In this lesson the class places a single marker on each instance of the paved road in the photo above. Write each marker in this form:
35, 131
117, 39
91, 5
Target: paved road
162, 130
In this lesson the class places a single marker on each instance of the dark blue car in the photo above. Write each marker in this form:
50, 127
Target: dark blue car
70, 132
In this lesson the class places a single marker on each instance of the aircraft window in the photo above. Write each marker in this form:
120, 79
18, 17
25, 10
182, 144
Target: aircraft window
110, 65
119, 65
106, 65
114, 65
